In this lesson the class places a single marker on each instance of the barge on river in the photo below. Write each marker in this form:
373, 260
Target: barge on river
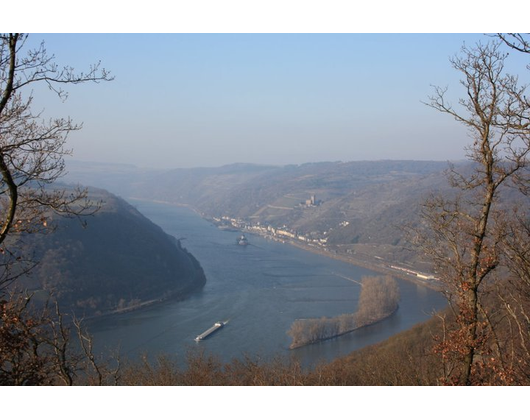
210, 331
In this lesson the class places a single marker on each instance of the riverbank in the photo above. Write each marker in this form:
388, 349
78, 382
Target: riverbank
381, 267
175, 296
262, 288
196, 284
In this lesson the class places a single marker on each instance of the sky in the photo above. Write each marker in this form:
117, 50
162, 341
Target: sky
210, 99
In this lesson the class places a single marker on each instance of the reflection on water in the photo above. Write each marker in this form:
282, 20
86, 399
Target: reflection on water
261, 289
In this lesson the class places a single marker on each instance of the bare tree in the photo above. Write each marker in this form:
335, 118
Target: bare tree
515, 300
34, 347
379, 298
32, 149
22, 361
464, 232
518, 42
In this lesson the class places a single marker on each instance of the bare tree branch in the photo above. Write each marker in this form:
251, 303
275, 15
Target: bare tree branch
518, 42
35, 347
32, 150
464, 234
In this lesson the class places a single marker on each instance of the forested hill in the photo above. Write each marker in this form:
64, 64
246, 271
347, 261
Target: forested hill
359, 206
359, 209
119, 261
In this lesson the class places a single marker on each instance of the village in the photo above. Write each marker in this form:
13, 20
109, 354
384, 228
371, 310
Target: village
281, 234
318, 241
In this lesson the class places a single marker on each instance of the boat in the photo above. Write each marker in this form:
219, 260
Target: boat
210, 331
242, 240
227, 228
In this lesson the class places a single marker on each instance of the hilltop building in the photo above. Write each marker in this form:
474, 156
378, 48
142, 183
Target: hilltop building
312, 201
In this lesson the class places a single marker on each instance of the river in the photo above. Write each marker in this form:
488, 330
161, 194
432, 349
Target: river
260, 289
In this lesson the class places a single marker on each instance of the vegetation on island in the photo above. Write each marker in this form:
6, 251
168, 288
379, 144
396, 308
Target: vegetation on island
378, 299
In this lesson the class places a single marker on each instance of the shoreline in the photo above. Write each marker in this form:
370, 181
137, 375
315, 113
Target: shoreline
177, 296
196, 285
379, 268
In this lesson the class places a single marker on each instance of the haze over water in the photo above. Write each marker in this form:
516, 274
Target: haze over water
260, 290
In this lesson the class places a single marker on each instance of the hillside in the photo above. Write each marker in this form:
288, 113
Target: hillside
119, 261
360, 207
359, 212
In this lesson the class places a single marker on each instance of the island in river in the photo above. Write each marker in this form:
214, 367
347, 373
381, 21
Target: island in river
262, 288
378, 300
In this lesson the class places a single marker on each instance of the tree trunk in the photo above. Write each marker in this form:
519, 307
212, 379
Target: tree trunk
470, 313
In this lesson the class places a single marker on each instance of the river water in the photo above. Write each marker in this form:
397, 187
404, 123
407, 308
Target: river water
260, 289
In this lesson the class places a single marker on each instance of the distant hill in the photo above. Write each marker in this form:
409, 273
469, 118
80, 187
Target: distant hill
358, 209
361, 206
119, 261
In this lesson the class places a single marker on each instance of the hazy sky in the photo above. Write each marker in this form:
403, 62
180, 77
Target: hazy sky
186, 100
